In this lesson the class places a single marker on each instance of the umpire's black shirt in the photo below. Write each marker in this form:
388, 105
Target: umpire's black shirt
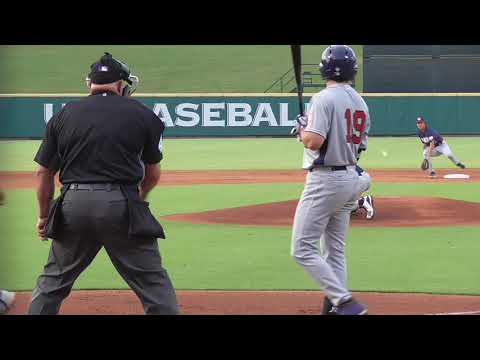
103, 138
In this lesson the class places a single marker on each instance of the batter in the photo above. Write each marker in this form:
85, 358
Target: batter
332, 133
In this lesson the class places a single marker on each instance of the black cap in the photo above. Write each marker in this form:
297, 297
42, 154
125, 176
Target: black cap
108, 70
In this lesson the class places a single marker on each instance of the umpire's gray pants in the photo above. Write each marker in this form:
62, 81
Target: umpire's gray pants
93, 219
320, 228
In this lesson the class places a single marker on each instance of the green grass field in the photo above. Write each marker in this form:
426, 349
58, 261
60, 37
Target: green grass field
434, 260
263, 153
162, 68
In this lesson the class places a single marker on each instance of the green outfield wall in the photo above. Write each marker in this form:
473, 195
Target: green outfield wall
204, 115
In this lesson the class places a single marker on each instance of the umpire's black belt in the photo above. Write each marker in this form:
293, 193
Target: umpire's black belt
93, 187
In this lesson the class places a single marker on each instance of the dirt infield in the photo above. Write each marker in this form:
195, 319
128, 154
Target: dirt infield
27, 180
390, 212
259, 303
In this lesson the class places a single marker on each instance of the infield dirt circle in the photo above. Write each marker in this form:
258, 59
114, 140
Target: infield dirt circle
391, 212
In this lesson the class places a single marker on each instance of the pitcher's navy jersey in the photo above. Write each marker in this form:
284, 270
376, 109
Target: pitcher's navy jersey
430, 135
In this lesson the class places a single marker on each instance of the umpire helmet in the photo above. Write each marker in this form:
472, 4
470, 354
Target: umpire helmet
338, 63
108, 70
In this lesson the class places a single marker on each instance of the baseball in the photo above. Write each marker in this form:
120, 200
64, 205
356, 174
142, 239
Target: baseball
384, 153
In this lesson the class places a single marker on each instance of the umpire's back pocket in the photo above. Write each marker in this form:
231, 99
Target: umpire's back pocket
142, 222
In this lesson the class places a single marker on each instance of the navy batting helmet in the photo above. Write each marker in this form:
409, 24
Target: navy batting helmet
338, 63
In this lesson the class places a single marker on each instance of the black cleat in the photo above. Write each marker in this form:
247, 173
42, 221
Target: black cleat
350, 307
327, 306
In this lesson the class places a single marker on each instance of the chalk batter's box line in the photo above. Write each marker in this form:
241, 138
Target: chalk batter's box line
186, 95
458, 313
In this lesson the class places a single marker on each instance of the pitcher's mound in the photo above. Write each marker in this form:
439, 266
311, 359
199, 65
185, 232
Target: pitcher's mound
390, 212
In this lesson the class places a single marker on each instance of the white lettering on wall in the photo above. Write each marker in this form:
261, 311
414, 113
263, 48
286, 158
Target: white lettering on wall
264, 114
209, 115
194, 118
239, 111
47, 112
284, 120
161, 111
214, 114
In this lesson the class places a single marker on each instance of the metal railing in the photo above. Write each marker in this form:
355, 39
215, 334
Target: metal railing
310, 74
280, 81
286, 82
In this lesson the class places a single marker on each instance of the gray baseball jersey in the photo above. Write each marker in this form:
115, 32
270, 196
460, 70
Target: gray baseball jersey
322, 217
341, 116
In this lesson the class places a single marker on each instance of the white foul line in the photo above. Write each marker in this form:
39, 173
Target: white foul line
459, 313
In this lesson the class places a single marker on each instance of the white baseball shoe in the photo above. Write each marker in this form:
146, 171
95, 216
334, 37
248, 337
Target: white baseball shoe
6, 301
368, 205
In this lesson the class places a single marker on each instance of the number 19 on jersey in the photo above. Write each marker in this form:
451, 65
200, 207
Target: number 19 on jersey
355, 132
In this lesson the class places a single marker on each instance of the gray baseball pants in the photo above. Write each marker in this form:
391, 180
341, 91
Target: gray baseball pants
320, 228
442, 149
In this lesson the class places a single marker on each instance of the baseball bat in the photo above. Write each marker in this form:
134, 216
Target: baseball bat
297, 67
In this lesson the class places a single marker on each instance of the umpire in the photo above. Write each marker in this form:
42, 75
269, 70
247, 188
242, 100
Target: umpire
106, 148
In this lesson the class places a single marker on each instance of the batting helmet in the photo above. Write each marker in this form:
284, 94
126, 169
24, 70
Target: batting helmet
338, 63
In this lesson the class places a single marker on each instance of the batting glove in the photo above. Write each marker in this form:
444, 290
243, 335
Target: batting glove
301, 123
